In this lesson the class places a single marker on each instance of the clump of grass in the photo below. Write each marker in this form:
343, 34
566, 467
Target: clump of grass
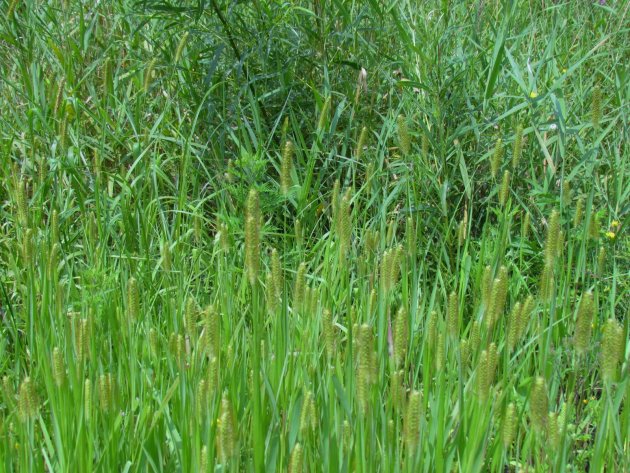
146, 313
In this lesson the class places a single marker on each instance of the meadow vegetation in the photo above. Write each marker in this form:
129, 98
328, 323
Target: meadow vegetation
314, 236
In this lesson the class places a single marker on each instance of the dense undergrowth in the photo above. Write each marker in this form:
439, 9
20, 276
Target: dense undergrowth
314, 236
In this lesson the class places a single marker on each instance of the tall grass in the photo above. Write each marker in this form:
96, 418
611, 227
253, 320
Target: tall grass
314, 236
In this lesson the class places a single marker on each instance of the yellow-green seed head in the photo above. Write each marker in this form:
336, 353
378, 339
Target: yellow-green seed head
514, 326
212, 329
504, 191
497, 158
499, 295
153, 342
87, 400
223, 236
105, 392
403, 135
276, 274
203, 461
399, 255
493, 361
59, 96
412, 421
510, 424
59, 367
53, 260
369, 172
464, 351
335, 207
453, 315
551, 242
566, 193
483, 376
486, 289
594, 226
299, 289
148, 75
601, 261
324, 114
133, 299
596, 107
252, 248
461, 233
284, 130
180, 47
547, 282
526, 310
440, 352
181, 349
172, 344
191, 316
226, 431
213, 375
82, 339
296, 461
401, 338
612, 351
553, 430
526, 225
396, 389
475, 336
366, 365
22, 203
539, 404
583, 323
373, 301
27, 399
202, 398
517, 150
308, 415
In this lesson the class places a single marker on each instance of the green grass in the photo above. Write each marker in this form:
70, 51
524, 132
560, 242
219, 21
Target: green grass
361, 310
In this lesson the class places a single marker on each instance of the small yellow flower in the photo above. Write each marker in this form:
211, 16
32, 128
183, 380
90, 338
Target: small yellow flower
611, 235
615, 223
533, 94
585, 401
564, 70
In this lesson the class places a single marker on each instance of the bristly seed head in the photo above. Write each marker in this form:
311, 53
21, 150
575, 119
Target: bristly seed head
613, 345
286, 167
497, 158
401, 338
583, 324
539, 404
403, 135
